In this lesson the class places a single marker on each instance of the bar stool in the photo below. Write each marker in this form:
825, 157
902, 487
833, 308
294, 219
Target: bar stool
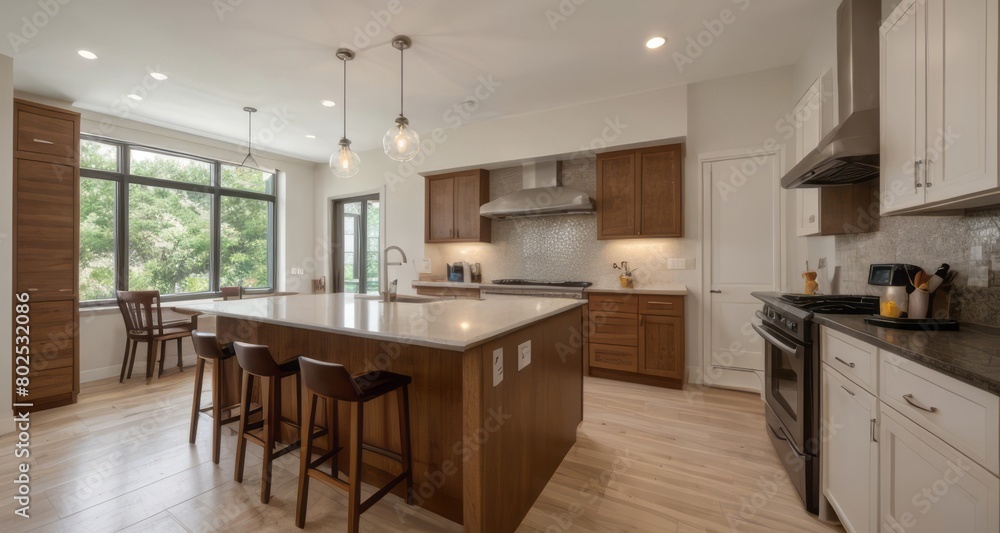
257, 363
331, 381
206, 346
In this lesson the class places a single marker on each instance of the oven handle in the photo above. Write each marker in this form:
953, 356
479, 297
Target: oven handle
775, 341
784, 436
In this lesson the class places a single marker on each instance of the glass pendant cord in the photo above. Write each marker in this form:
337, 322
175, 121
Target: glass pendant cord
250, 111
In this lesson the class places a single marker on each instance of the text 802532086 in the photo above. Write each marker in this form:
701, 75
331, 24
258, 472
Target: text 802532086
22, 382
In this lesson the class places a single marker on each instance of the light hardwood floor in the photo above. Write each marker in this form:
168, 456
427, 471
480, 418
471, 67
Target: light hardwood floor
646, 460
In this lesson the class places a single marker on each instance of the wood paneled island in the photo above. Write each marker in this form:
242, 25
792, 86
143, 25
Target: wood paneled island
483, 448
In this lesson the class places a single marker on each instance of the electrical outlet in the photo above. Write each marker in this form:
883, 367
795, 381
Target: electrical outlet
676, 263
822, 263
497, 366
523, 355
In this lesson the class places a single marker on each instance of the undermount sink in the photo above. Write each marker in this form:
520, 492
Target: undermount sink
404, 298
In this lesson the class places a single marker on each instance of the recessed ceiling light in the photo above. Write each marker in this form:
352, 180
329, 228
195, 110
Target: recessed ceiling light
310, 136
135, 97
87, 54
655, 42
328, 103
158, 76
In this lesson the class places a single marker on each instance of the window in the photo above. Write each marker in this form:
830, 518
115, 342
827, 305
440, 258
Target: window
356, 245
179, 224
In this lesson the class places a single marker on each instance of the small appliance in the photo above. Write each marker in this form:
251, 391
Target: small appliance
896, 280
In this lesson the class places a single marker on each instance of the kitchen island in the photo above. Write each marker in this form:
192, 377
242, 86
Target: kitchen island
490, 423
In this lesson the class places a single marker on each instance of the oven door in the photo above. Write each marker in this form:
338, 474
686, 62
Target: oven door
786, 381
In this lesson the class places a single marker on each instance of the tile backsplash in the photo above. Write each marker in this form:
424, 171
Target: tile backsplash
560, 247
970, 244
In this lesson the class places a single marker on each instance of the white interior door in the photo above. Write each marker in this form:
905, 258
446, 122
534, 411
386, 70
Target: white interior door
742, 255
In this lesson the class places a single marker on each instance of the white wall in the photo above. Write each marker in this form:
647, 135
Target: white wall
817, 58
6, 237
735, 113
102, 333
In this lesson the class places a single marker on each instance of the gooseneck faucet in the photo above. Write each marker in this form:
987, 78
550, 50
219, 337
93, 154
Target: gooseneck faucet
389, 293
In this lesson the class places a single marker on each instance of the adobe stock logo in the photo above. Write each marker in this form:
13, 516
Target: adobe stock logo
704, 39
33, 24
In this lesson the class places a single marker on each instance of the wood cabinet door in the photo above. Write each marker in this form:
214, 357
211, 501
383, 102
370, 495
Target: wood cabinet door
961, 98
616, 195
47, 225
660, 189
926, 486
467, 219
53, 347
661, 346
903, 103
850, 452
440, 209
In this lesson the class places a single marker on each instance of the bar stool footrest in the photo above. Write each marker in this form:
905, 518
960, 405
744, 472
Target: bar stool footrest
374, 498
383, 452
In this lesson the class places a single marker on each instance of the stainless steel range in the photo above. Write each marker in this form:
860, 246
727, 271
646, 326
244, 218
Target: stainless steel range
791, 379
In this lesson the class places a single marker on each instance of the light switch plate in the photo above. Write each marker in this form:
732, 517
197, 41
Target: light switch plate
497, 366
523, 355
676, 263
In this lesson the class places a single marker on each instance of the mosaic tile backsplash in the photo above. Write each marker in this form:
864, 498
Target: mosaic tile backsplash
559, 248
970, 244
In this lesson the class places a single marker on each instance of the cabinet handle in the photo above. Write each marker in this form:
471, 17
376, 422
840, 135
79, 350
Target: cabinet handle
850, 365
874, 431
65, 290
715, 291
910, 400
849, 391
916, 174
42, 141
928, 174
671, 304
32, 290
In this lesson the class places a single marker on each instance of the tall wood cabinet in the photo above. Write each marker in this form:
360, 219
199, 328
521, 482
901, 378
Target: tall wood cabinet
636, 338
452, 207
46, 247
639, 193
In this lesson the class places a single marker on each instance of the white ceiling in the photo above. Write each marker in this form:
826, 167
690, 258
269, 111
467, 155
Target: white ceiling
279, 57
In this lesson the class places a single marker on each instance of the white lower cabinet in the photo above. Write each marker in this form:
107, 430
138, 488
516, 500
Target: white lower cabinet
929, 487
849, 464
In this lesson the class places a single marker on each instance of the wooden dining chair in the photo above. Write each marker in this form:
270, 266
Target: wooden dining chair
232, 293
144, 323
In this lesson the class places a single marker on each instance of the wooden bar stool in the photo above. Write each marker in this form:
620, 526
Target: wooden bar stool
257, 363
206, 346
331, 381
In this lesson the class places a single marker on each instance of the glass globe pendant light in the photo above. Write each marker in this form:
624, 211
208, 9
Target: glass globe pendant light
345, 163
400, 142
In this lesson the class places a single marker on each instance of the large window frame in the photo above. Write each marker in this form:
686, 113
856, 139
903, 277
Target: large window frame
123, 179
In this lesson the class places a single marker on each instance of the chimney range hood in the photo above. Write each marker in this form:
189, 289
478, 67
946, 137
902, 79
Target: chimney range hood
849, 153
542, 196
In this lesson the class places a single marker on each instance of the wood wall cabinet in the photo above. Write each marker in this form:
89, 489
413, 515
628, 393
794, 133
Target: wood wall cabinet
939, 63
46, 247
639, 193
636, 338
452, 207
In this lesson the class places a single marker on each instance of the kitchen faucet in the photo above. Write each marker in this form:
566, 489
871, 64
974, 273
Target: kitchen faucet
387, 296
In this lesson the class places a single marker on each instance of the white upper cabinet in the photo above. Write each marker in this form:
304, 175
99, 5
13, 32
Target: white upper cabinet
902, 104
813, 118
939, 105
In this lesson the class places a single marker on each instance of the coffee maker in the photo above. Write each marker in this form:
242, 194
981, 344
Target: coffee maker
895, 282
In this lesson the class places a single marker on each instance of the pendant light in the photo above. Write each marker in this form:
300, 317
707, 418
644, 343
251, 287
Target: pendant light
400, 142
250, 111
345, 163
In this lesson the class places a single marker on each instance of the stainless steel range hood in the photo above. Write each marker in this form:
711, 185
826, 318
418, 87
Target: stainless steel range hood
849, 153
542, 196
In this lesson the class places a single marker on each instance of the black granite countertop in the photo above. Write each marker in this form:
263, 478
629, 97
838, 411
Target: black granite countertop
971, 355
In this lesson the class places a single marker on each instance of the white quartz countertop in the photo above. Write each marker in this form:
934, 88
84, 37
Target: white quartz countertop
663, 290
453, 324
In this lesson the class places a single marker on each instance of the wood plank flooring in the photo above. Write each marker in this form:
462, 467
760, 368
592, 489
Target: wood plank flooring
646, 460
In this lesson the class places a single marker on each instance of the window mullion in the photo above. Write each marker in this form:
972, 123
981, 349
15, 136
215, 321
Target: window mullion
216, 260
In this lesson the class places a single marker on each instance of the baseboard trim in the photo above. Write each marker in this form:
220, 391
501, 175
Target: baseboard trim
97, 374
